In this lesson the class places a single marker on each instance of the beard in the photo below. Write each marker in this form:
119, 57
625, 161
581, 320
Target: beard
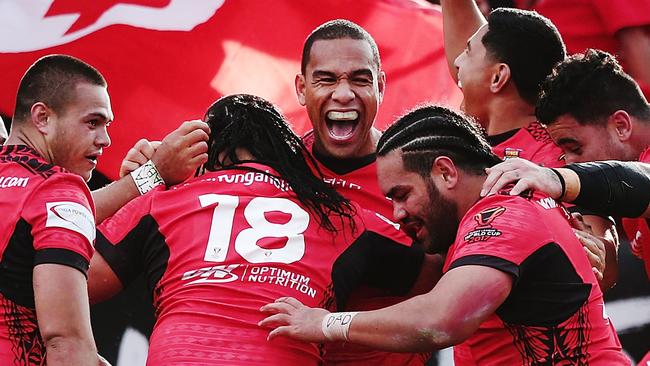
440, 220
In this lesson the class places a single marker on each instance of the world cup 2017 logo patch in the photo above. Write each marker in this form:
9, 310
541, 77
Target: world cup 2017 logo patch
484, 230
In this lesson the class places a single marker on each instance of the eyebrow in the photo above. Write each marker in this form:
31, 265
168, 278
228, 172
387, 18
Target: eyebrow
324, 73
391, 193
98, 115
566, 140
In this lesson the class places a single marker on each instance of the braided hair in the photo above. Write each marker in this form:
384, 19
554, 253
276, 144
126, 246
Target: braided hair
243, 121
430, 131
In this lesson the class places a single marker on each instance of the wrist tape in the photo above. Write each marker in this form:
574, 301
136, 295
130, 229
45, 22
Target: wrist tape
336, 326
147, 177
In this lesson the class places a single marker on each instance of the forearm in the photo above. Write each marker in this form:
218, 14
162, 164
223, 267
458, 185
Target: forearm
611, 187
406, 327
460, 20
71, 350
111, 198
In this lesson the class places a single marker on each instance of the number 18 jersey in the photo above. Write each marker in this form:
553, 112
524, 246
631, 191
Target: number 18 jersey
217, 248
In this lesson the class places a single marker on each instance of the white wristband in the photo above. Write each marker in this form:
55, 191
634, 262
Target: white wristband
147, 177
336, 326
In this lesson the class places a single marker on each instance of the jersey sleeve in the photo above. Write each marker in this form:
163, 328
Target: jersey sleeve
121, 238
62, 219
497, 233
381, 257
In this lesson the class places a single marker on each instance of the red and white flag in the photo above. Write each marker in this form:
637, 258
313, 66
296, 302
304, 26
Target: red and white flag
167, 60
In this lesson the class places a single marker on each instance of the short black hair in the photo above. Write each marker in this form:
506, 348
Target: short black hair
52, 80
430, 131
338, 29
255, 124
528, 43
590, 87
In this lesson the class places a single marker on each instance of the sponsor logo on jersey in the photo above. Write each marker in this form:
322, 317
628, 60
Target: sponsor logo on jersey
511, 152
9, 182
216, 274
72, 216
484, 230
247, 179
251, 273
548, 203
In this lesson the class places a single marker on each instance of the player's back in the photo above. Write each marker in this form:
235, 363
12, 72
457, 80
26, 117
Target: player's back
219, 247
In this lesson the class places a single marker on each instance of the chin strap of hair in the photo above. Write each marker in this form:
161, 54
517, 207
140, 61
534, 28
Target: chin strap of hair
147, 177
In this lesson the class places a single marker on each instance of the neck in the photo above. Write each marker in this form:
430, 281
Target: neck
468, 193
509, 113
27, 137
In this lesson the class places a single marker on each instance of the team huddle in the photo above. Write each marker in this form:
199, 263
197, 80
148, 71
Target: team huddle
347, 245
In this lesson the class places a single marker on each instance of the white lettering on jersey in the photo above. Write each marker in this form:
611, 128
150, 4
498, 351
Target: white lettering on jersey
38, 31
71, 216
548, 203
9, 182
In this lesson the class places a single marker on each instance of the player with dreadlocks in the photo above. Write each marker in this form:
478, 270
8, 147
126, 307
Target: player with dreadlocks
516, 289
254, 225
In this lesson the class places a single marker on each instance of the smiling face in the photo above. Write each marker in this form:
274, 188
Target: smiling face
474, 73
423, 212
77, 134
342, 88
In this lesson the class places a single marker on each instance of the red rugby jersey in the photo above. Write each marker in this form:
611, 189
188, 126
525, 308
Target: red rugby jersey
638, 230
217, 248
555, 312
356, 179
532, 143
48, 218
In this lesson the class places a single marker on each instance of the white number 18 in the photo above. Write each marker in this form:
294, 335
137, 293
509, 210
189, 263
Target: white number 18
246, 240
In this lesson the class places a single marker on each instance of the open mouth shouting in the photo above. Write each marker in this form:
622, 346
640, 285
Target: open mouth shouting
342, 125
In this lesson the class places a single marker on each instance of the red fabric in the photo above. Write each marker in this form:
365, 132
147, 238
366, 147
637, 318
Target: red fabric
32, 223
197, 308
361, 186
638, 230
532, 143
592, 23
499, 226
158, 78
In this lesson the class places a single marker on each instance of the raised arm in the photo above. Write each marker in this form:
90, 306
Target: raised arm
460, 20
450, 313
175, 159
63, 314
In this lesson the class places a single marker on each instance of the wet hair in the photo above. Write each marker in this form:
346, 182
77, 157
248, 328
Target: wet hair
428, 132
243, 121
52, 80
590, 87
528, 43
338, 29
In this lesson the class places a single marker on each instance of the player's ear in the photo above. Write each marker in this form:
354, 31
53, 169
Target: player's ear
500, 77
445, 172
621, 122
299, 83
41, 117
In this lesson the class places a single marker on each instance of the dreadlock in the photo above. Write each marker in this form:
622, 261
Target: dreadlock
243, 121
430, 131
